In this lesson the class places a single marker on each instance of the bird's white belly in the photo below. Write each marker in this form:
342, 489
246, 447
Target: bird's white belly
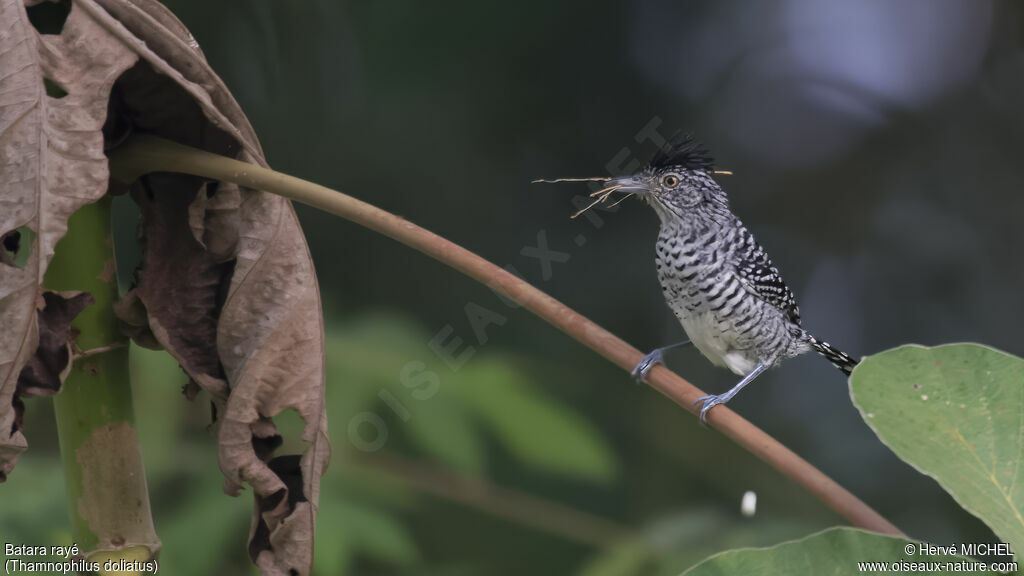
708, 336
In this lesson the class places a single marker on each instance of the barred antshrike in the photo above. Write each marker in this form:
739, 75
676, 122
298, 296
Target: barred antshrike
719, 282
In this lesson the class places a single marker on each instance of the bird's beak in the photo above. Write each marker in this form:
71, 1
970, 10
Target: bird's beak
634, 184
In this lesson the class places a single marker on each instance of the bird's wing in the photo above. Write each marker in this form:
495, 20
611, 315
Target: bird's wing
761, 278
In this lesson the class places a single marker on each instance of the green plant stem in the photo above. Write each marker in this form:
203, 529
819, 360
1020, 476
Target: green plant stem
106, 483
143, 154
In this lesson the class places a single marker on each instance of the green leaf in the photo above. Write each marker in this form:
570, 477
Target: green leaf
202, 527
488, 394
439, 428
369, 357
955, 413
349, 529
533, 426
835, 552
623, 559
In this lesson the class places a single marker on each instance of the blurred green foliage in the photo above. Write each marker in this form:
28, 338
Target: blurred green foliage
489, 414
490, 398
362, 520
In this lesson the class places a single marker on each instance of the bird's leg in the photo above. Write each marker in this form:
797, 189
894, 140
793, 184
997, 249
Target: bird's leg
712, 400
655, 357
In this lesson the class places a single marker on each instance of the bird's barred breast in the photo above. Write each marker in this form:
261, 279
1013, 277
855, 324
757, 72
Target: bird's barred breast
725, 321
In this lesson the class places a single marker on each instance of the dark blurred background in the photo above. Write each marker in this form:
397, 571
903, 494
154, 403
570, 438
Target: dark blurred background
875, 150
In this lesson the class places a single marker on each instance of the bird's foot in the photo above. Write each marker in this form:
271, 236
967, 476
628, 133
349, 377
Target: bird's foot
709, 402
655, 357
639, 373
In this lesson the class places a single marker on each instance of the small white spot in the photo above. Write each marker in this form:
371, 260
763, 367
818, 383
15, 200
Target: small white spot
924, 396
963, 406
748, 506
869, 415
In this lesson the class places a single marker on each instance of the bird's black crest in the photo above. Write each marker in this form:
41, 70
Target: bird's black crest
683, 150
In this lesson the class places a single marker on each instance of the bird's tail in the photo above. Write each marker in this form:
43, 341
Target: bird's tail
837, 357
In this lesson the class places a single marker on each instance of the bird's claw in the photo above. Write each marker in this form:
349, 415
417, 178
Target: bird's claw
709, 402
639, 373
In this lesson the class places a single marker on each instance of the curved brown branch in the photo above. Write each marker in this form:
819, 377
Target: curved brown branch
144, 154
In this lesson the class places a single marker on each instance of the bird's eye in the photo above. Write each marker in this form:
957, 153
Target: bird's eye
670, 180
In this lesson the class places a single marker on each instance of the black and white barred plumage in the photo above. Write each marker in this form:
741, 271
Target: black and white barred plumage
731, 300
720, 283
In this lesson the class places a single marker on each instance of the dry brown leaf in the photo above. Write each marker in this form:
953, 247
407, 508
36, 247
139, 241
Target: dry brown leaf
226, 283
51, 164
48, 367
237, 261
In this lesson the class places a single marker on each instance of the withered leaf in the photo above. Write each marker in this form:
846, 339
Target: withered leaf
226, 283
228, 286
47, 369
51, 164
